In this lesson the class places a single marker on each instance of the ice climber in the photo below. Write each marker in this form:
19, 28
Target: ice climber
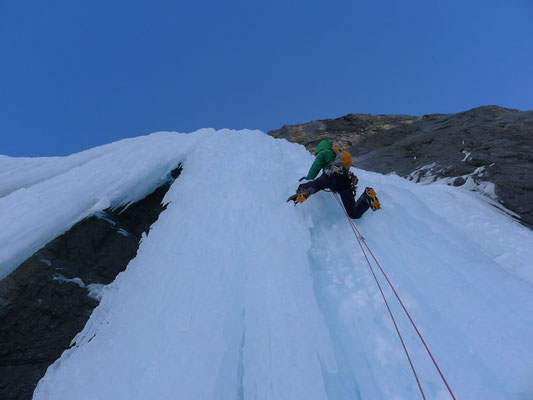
337, 177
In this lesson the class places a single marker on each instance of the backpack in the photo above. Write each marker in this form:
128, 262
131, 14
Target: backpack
342, 162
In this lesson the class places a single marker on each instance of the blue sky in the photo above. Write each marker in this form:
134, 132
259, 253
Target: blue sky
76, 74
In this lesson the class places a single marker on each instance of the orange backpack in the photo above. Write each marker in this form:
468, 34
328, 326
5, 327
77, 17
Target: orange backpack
342, 162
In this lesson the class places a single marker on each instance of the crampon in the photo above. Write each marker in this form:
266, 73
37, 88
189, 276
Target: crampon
372, 199
299, 197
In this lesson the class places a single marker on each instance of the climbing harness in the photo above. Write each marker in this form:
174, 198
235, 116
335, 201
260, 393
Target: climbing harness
360, 240
353, 182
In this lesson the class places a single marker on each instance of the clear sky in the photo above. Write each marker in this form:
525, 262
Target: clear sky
77, 74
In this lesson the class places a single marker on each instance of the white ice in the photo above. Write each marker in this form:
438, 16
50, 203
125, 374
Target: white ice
43, 197
236, 294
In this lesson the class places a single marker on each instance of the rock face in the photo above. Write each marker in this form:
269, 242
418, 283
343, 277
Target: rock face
48, 299
478, 147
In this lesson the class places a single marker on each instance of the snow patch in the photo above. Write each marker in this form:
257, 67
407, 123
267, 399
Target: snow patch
103, 215
62, 279
95, 290
45, 261
123, 232
472, 181
419, 174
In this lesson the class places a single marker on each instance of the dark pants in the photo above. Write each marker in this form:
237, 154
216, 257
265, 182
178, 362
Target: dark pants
340, 183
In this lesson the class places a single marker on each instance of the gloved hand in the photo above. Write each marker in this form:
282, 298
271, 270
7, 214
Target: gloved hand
302, 178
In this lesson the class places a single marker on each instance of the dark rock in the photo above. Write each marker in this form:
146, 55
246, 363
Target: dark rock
459, 181
45, 302
498, 139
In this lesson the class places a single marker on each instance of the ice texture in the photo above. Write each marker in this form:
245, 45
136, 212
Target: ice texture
236, 294
43, 197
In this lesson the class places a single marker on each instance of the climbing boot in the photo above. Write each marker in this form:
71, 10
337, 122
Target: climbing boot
371, 199
299, 197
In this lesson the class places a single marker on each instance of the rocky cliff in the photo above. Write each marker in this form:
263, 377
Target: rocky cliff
489, 149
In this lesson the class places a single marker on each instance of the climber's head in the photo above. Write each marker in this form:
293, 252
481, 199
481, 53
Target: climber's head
323, 145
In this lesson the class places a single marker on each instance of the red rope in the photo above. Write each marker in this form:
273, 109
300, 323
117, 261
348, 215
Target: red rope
357, 235
384, 298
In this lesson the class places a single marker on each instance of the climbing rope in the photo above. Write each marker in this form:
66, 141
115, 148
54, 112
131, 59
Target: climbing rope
360, 239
